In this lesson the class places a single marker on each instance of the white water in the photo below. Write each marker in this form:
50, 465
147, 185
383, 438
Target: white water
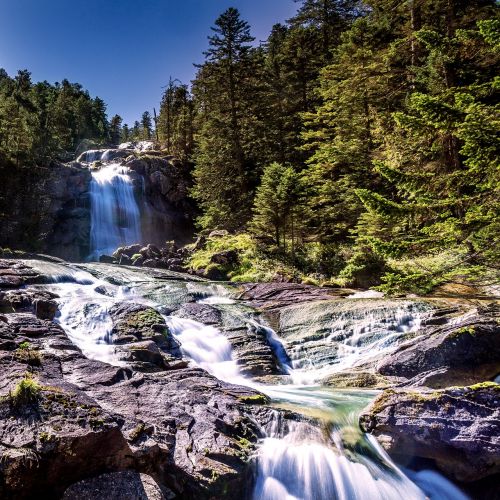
207, 347
358, 336
115, 214
295, 460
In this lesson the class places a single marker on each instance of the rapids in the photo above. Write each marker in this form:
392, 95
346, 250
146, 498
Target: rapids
322, 457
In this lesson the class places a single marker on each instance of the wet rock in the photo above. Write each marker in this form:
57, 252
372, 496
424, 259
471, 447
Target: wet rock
458, 428
45, 309
352, 379
461, 353
249, 342
29, 299
274, 295
117, 486
136, 322
203, 313
107, 259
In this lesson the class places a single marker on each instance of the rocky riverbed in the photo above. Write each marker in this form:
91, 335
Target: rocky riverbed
139, 413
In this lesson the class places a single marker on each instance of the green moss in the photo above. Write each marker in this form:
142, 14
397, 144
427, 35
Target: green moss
485, 385
45, 437
257, 399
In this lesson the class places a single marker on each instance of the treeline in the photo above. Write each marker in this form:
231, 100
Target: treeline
40, 121
359, 141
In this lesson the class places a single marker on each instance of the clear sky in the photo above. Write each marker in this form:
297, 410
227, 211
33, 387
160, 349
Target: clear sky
120, 50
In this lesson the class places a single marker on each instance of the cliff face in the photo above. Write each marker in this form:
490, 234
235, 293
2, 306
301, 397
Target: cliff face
47, 209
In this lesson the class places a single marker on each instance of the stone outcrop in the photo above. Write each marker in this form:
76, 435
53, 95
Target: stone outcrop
458, 428
466, 351
66, 419
269, 296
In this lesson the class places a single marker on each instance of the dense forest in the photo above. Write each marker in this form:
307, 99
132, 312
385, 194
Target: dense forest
358, 145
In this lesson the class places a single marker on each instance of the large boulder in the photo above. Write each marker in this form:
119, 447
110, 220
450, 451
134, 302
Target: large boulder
460, 353
458, 428
117, 486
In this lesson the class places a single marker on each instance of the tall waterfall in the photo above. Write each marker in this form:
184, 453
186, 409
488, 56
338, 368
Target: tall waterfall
115, 214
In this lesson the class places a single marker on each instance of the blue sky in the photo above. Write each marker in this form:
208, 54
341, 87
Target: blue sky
121, 50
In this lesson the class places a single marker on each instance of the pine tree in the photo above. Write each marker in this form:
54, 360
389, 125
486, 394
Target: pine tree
223, 154
115, 129
147, 126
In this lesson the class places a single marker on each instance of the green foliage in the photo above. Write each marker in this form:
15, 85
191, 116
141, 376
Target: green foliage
39, 121
27, 391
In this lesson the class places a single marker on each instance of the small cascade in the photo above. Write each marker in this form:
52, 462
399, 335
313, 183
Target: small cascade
207, 347
356, 333
115, 214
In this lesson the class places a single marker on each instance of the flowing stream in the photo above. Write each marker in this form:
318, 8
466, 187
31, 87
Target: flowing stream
325, 456
115, 215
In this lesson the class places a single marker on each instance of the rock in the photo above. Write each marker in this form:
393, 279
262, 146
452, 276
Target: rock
37, 301
125, 260
129, 251
351, 379
461, 353
225, 258
150, 252
106, 259
117, 486
147, 357
219, 233
138, 261
203, 313
136, 322
45, 309
274, 295
458, 428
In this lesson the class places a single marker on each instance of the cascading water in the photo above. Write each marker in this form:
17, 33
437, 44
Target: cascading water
115, 214
322, 458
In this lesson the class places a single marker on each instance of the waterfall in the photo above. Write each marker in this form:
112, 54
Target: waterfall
115, 214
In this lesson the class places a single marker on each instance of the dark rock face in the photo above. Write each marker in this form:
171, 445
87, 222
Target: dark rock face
72, 418
462, 353
117, 486
40, 302
165, 184
458, 428
47, 209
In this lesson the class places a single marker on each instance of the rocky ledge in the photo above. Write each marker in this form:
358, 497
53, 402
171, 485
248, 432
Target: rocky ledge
67, 419
458, 428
